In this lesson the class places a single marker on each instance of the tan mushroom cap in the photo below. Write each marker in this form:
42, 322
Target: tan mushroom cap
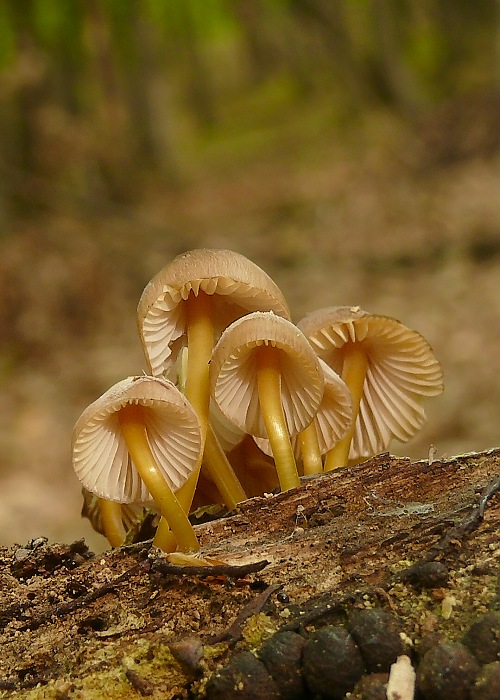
401, 371
233, 373
238, 286
332, 419
100, 457
335, 412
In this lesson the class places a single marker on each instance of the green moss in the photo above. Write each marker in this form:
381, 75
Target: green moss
257, 629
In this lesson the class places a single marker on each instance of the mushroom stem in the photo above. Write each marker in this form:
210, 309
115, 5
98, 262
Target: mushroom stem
165, 536
221, 472
354, 368
309, 447
200, 333
269, 388
134, 432
112, 523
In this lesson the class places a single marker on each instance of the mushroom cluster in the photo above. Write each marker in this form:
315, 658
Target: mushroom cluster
238, 399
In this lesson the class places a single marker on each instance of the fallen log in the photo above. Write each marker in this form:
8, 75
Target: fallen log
416, 539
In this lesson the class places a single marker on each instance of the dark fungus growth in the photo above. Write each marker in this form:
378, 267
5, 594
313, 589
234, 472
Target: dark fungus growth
429, 574
282, 656
244, 678
487, 685
447, 671
371, 687
483, 638
332, 663
378, 636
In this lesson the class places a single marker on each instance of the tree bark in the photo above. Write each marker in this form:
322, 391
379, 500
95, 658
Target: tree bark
128, 623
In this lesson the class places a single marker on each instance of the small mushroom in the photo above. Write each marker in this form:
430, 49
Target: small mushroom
188, 303
139, 442
388, 368
266, 378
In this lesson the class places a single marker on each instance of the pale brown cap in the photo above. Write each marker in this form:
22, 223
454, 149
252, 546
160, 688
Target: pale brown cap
402, 370
238, 287
233, 372
100, 456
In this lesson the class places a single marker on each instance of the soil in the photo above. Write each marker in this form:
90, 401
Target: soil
127, 623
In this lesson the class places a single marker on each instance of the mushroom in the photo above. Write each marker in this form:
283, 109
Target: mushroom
139, 442
266, 378
388, 368
328, 427
188, 303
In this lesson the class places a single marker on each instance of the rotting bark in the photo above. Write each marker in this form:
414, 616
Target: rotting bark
389, 532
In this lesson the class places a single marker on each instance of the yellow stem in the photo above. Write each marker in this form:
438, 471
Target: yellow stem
134, 432
269, 387
200, 334
112, 523
353, 374
221, 472
309, 447
164, 537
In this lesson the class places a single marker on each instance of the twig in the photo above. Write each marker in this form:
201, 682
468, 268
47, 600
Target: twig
234, 631
142, 685
231, 571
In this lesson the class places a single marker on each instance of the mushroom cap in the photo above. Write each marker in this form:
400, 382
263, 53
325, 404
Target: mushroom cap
334, 415
238, 287
332, 419
401, 371
227, 433
233, 372
100, 456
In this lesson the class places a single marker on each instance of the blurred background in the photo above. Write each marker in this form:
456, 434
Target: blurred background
350, 148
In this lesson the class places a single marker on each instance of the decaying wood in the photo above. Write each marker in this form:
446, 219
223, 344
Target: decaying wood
404, 535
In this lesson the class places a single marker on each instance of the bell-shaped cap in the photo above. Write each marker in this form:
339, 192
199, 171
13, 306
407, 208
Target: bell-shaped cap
332, 419
233, 373
238, 286
100, 456
401, 371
